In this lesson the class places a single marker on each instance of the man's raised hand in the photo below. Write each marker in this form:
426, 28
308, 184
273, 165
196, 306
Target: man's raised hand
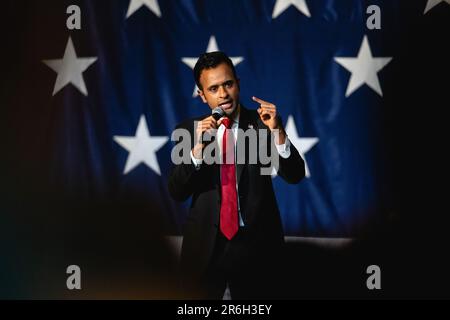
268, 114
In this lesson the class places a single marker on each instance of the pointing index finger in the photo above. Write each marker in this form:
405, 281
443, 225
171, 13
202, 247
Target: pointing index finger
259, 100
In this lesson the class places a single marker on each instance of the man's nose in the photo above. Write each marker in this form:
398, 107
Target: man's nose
223, 93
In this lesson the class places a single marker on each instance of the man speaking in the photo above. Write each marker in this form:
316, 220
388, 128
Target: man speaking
233, 233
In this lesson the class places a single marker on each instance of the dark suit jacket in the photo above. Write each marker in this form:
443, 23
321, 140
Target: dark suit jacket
258, 206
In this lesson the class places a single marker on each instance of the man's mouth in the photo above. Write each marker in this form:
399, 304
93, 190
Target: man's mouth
226, 105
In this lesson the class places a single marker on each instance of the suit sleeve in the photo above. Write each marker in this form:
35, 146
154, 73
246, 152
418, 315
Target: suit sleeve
183, 177
291, 169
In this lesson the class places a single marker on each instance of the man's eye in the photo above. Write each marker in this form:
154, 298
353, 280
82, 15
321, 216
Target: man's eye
213, 89
229, 84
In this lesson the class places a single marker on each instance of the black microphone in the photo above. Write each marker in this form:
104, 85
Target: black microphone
217, 113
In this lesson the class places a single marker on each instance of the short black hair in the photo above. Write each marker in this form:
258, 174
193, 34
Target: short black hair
210, 60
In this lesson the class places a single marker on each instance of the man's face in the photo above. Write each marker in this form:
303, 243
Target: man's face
220, 89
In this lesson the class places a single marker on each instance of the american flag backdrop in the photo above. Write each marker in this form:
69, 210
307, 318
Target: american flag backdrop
94, 108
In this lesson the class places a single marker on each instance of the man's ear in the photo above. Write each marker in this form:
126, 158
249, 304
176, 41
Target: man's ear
202, 95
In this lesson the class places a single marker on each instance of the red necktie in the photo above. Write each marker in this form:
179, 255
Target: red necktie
228, 208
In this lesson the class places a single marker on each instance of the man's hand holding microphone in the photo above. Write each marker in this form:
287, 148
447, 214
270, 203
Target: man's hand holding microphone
206, 126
